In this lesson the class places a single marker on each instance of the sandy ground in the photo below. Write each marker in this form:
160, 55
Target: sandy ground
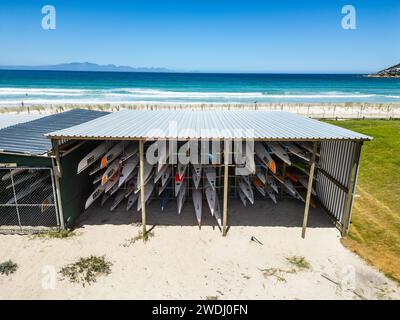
182, 262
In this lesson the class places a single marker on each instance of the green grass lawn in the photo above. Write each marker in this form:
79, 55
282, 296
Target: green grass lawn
375, 228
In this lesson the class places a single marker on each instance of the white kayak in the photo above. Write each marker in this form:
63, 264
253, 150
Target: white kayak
210, 195
148, 169
95, 194
242, 197
261, 175
264, 156
117, 200
279, 151
180, 177
127, 170
96, 168
166, 175
104, 199
259, 185
217, 213
13, 173
97, 178
37, 184
247, 190
110, 171
160, 173
129, 151
196, 178
292, 190
163, 157
112, 154
211, 177
197, 202
297, 151
181, 196
148, 190
163, 186
22, 179
271, 194
272, 183
113, 181
304, 182
92, 156
197, 169
131, 200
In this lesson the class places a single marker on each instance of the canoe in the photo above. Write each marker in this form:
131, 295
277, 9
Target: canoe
264, 156
210, 195
160, 173
259, 185
181, 196
217, 213
162, 187
211, 177
148, 169
163, 157
110, 171
127, 169
261, 175
96, 168
148, 190
104, 199
165, 199
166, 175
117, 200
279, 151
92, 156
13, 173
304, 182
242, 197
292, 190
196, 178
129, 151
297, 151
112, 154
179, 177
271, 194
37, 184
272, 183
197, 169
95, 194
23, 178
131, 200
112, 181
197, 202
246, 189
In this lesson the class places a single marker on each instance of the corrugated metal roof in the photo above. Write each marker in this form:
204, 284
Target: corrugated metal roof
8, 120
218, 124
28, 137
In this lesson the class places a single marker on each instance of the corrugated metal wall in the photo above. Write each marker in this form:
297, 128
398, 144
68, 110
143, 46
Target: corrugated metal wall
333, 175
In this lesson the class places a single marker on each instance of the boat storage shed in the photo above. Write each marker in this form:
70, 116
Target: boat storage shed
322, 171
32, 199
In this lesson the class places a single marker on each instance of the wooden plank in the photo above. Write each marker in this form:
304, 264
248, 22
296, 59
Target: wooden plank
226, 174
309, 189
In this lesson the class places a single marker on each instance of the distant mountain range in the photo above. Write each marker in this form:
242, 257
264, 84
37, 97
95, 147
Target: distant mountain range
391, 72
84, 66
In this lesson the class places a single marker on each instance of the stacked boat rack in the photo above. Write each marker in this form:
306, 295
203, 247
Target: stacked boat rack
279, 168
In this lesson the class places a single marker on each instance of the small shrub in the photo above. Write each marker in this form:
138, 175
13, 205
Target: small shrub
86, 270
146, 237
299, 262
8, 267
56, 234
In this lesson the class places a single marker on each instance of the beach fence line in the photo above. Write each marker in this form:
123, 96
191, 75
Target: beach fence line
335, 111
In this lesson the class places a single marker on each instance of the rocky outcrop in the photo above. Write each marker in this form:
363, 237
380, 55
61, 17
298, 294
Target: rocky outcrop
392, 72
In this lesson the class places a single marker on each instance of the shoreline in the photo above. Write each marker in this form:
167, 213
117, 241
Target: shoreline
326, 110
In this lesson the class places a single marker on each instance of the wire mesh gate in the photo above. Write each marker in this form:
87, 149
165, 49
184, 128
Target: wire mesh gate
27, 200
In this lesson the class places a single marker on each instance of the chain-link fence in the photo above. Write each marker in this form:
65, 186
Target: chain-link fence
27, 200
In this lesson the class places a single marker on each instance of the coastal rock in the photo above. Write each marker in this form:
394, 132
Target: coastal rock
391, 72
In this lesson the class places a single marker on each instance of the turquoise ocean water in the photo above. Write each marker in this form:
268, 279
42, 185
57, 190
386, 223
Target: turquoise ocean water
45, 87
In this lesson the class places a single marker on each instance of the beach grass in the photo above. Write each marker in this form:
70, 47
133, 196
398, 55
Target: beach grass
375, 229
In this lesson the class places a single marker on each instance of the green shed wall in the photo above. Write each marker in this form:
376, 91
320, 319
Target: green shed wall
26, 161
75, 188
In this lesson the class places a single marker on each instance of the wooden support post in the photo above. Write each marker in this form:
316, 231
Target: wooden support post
226, 175
351, 189
309, 189
57, 175
142, 185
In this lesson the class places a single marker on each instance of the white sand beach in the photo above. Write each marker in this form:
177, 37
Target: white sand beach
182, 262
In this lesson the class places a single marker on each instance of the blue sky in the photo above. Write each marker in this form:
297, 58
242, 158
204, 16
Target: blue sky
205, 35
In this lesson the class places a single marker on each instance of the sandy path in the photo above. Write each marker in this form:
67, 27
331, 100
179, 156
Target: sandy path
181, 261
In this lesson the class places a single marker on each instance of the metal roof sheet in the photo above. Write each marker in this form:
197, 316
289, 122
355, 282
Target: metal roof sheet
202, 124
28, 137
8, 120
